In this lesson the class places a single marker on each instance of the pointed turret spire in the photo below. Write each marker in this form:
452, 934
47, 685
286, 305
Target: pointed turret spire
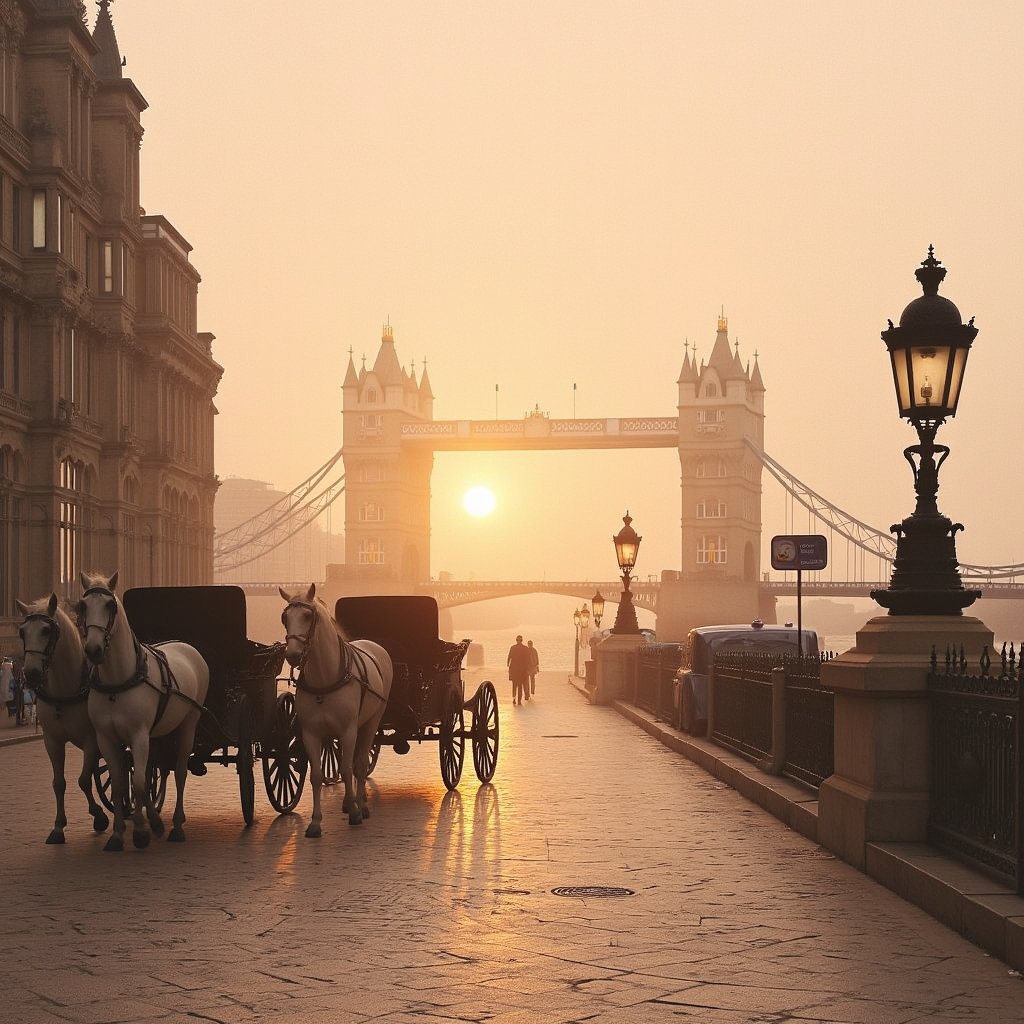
756, 383
721, 359
425, 391
351, 377
386, 366
107, 62
688, 373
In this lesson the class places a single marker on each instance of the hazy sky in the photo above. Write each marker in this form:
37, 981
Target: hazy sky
538, 194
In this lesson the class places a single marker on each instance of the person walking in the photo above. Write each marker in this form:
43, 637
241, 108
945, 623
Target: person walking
534, 667
18, 686
519, 663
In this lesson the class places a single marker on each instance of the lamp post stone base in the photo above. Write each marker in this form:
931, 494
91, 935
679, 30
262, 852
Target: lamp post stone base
878, 791
616, 664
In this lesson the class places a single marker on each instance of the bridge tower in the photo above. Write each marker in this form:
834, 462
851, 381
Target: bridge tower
387, 487
721, 404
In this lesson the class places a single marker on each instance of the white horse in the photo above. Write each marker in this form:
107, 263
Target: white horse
56, 671
340, 693
138, 691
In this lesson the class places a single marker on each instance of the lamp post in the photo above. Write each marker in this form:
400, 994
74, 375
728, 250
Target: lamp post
576, 644
597, 603
627, 543
929, 352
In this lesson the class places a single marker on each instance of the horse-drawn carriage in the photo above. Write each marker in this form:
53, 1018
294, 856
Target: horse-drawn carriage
245, 718
427, 702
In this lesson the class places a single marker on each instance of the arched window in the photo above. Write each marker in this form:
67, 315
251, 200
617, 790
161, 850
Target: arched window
710, 390
371, 551
371, 396
371, 512
72, 483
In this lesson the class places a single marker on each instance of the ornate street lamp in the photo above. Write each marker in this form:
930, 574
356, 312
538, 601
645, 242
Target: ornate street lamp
627, 543
576, 620
597, 603
929, 355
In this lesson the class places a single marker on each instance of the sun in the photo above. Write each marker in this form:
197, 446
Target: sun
479, 501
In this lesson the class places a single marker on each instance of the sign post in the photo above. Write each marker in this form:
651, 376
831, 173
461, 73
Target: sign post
799, 551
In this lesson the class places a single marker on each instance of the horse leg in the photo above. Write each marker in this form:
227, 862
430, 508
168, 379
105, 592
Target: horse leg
113, 754
347, 752
361, 764
90, 761
314, 751
140, 782
186, 738
55, 750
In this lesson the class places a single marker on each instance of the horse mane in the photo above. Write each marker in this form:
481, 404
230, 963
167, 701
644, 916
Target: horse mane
95, 579
330, 618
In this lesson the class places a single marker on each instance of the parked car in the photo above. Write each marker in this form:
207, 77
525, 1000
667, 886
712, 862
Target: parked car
700, 648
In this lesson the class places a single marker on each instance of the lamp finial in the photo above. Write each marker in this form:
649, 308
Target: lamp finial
931, 273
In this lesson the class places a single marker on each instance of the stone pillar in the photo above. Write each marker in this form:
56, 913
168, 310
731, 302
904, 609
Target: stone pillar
616, 658
879, 789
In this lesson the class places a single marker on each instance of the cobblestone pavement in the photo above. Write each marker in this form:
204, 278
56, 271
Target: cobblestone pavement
440, 907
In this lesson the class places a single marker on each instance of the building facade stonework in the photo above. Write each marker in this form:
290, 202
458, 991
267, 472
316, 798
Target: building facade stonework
106, 384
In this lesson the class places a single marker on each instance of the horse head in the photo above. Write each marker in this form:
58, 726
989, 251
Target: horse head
97, 614
299, 619
41, 632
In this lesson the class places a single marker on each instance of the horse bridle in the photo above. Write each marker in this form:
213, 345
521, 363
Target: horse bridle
83, 629
46, 655
306, 639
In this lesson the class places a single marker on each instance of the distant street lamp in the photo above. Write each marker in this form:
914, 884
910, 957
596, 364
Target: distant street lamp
929, 352
576, 620
627, 543
597, 603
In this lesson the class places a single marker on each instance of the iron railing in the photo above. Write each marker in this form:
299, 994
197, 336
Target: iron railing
810, 721
742, 703
977, 788
655, 679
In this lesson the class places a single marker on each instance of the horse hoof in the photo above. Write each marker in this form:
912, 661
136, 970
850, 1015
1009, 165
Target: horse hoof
158, 827
55, 838
114, 845
314, 832
366, 813
355, 818
140, 839
100, 822
177, 835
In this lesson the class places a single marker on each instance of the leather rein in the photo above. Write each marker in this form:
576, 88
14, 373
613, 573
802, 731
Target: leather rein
346, 652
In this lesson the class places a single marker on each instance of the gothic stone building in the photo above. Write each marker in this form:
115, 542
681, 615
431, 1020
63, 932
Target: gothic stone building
106, 386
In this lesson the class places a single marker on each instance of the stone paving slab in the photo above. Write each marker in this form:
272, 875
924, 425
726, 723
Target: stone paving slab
440, 907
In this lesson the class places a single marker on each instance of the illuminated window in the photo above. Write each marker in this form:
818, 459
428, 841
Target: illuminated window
108, 267
712, 509
712, 551
371, 512
38, 220
71, 479
371, 551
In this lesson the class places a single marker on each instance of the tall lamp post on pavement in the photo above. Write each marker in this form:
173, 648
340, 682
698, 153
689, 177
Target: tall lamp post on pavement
576, 644
627, 543
929, 352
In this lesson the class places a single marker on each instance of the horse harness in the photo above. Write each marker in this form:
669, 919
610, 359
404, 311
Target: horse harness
347, 653
168, 682
46, 654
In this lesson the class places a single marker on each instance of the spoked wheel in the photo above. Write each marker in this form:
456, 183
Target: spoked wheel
157, 785
452, 742
330, 762
285, 763
485, 731
374, 754
245, 760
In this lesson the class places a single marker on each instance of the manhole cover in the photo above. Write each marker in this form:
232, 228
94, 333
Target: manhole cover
593, 891
559, 736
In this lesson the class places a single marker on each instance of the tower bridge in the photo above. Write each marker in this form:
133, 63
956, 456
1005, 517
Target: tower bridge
390, 437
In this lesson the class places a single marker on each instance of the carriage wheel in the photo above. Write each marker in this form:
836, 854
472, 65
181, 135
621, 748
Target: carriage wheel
330, 762
285, 762
157, 785
485, 731
374, 754
245, 759
452, 742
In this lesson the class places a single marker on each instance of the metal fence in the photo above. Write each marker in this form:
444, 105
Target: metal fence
810, 721
742, 703
785, 720
977, 726
655, 679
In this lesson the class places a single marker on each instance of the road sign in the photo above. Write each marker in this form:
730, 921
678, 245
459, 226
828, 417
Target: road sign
799, 551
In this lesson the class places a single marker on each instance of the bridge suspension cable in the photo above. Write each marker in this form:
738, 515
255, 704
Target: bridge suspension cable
867, 538
273, 515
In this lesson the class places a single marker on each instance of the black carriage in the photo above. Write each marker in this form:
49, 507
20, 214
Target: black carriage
245, 718
428, 701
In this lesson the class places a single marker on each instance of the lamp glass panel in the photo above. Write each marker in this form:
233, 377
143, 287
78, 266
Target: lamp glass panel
585, 616
929, 370
598, 605
959, 365
576, 617
899, 366
625, 552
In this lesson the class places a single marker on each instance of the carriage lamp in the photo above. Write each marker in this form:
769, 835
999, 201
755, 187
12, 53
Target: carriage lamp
929, 352
597, 603
627, 543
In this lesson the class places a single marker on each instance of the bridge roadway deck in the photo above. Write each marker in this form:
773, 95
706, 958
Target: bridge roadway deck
440, 907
